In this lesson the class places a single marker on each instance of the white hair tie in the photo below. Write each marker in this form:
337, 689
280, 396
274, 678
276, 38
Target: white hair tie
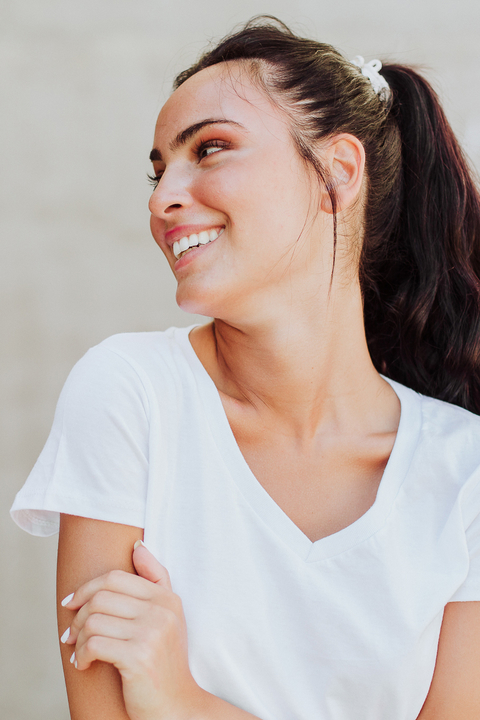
371, 71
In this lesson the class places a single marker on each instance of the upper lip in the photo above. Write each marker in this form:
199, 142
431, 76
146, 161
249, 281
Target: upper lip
180, 231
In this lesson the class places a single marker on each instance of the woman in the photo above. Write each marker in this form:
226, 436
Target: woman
312, 522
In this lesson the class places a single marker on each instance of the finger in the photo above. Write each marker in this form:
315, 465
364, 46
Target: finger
105, 603
115, 581
148, 567
106, 649
106, 626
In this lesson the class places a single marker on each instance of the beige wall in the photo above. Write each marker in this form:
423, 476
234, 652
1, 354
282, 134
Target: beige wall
81, 83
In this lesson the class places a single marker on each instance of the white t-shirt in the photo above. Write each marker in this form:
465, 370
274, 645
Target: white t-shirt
345, 628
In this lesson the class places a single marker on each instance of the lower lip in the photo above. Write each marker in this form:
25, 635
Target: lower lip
191, 255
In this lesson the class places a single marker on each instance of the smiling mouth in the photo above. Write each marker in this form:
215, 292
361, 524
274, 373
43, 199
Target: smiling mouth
191, 241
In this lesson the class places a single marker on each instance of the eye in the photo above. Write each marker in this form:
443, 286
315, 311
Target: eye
154, 179
205, 149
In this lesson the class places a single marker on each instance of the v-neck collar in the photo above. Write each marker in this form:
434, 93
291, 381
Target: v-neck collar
264, 505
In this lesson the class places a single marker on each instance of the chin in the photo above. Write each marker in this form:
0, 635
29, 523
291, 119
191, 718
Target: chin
194, 304
201, 298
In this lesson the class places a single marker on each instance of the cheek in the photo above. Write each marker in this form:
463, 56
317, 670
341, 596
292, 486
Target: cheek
247, 195
157, 229
219, 189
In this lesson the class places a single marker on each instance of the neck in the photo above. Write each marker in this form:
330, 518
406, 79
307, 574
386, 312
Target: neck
308, 373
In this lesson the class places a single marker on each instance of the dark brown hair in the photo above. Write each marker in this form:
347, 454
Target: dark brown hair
420, 258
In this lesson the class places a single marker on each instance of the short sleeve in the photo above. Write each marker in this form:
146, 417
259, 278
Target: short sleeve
95, 461
470, 588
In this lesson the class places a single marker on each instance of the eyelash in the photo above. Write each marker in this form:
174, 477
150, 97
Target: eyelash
197, 149
200, 146
154, 179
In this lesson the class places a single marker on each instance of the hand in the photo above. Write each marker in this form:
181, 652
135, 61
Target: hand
137, 624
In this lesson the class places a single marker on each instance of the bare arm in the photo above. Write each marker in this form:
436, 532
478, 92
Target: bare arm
455, 690
87, 550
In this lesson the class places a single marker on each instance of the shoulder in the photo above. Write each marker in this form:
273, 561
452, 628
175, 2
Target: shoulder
454, 431
119, 373
138, 356
452, 443
444, 438
443, 416
438, 415
137, 347
142, 371
439, 419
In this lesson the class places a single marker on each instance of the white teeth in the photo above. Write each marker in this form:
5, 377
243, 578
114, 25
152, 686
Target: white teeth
203, 238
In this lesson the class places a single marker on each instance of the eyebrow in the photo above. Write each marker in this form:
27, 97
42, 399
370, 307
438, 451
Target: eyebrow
184, 136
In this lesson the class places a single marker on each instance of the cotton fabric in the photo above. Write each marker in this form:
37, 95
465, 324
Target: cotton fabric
345, 628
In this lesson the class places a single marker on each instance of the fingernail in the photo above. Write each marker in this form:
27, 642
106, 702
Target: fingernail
75, 663
65, 635
72, 658
138, 543
66, 600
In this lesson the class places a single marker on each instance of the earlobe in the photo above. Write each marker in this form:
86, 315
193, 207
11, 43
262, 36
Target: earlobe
344, 161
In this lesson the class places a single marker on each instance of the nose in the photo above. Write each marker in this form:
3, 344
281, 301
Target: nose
170, 195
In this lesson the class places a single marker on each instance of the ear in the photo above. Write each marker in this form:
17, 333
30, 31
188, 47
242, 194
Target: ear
344, 161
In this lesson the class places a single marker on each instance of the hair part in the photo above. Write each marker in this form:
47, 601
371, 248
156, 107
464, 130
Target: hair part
419, 263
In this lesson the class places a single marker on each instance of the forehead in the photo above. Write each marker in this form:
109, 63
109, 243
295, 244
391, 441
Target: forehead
223, 91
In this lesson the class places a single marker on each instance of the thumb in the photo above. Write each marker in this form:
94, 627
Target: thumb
148, 567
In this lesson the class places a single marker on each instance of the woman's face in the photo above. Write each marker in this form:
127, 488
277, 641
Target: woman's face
230, 176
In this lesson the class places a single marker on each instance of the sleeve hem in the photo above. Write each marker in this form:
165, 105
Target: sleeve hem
466, 595
40, 517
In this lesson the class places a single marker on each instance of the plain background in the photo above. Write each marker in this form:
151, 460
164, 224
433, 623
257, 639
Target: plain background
81, 83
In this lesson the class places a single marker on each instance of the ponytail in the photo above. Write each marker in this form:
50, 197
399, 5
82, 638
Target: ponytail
422, 287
